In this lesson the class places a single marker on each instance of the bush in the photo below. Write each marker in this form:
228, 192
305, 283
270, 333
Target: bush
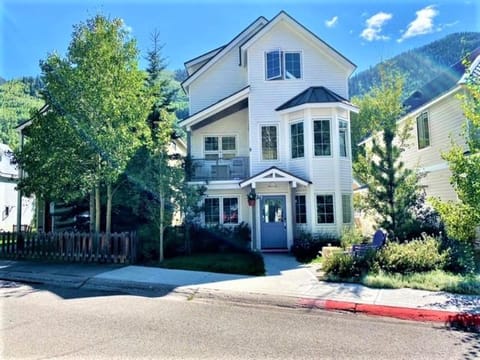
461, 256
460, 220
306, 247
419, 255
351, 236
214, 239
346, 265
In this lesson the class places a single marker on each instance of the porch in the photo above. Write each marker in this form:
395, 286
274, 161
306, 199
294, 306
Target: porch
236, 168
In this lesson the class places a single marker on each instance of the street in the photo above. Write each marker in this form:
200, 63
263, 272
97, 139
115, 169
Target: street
47, 322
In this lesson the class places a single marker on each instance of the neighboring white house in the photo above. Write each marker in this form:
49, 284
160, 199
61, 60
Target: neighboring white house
8, 194
269, 116
438, 119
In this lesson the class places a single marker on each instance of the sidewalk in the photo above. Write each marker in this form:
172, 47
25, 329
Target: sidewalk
287, 283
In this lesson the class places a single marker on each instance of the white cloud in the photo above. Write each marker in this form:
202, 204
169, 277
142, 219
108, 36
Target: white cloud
374, 27
423, 23
332, 22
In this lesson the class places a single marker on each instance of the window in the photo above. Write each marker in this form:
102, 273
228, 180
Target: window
300, 209
321, 138
212, 211
221, 211
280, 65
273, 63
423, 133
325, 211
230, 211
296, 137
343, 138
347, 208
217, 147
269, 142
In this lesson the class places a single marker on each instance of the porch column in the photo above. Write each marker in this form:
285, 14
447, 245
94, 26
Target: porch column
254, 223
293, 192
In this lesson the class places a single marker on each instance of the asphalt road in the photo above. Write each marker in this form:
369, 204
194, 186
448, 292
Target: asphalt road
47, 322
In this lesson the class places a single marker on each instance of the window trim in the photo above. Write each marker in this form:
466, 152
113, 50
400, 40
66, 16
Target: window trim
282, 60
296, 210
296, 122
347, 142
277, 159
350, 209
429, 139
220, 151
221, 210
334, 209
330, 137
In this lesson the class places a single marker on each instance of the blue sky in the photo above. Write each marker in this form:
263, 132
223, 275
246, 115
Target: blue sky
366, 32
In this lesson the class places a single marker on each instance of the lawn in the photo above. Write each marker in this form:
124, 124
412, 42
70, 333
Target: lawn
248, 263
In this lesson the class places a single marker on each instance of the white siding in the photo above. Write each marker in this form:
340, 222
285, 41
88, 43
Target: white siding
437, 184
221, 80
235, 124
445, 122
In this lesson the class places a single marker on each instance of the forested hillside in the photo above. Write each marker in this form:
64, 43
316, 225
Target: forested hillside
419, 65
17, 99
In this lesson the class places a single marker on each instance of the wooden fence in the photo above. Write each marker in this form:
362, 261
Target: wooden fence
70, 246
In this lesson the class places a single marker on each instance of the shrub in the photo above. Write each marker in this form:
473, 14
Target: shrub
306, 247
351, 236
418, 255
460, 220
461, 256
346, 265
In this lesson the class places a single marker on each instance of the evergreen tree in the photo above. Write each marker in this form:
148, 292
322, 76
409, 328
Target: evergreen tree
392, 189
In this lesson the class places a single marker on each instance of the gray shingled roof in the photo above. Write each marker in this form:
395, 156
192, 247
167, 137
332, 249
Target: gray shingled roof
439, 85
314, 94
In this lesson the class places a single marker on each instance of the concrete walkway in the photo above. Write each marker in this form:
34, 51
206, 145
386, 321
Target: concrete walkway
287, 283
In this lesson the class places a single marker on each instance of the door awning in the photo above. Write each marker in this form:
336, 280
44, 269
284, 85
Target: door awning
274, 174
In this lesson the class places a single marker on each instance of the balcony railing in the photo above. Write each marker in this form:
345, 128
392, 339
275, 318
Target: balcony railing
219, 169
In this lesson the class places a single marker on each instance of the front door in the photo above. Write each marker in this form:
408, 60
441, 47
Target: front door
273, 219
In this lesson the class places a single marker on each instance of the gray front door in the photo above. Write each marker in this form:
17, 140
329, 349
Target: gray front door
273, 222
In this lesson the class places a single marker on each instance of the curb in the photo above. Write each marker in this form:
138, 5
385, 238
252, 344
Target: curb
451, 318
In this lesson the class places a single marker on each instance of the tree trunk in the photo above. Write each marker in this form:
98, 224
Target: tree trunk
97, 208
108, 218
161, 226
92, 210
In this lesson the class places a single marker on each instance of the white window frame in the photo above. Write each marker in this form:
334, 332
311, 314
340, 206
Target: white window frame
346, 143
306, 210
316, 209
220, 152
348, 207
424, 115
261, 142
221, 210
296, 122
282, 60
330, 137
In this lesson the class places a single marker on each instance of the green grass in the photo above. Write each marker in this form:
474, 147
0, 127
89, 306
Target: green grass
229, 263
317, 260
437, 280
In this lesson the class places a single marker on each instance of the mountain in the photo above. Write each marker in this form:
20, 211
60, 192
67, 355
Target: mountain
18, 98
420, 65
2, 80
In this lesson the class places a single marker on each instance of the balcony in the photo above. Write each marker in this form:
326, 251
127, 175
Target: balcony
220, 169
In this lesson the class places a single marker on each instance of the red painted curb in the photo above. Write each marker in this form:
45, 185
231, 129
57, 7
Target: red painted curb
428, 315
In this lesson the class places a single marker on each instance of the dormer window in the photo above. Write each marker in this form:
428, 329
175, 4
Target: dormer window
281, 65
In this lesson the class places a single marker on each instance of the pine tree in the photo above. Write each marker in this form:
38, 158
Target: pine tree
392, 189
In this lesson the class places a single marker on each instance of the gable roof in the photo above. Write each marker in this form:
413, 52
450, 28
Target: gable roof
283, 16
253, 27
440, 85
200, 58
314, 95
223, 107
274, 174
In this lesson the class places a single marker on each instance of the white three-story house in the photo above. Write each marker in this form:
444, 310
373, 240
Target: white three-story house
270, 121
